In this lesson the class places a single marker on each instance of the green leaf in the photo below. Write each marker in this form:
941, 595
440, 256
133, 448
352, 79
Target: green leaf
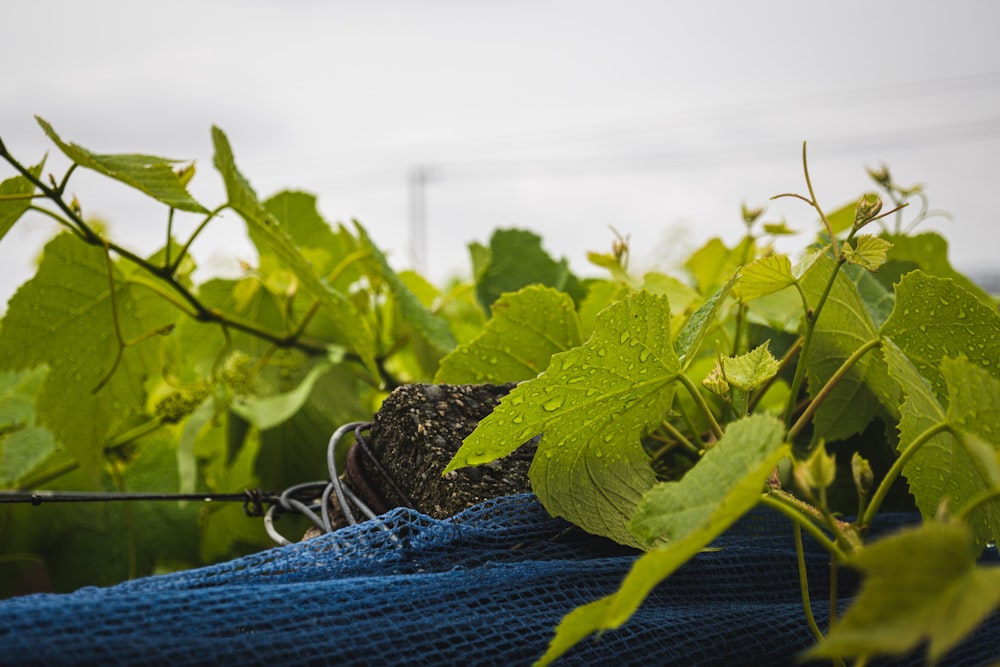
432, 328
355, 328
697, 326
781, 311
592, 405
269, 411
23, 445
959, 463
731, 473
515, 260
225, 525
751, 370
333, 251
778, 229
526, 329
869, 252
764, 276
841, 328
150, 174
929, 253
934, 318
714, 264
939, 597
878, 299
600, 295
842, 219
12, 209
689, 514
682, 297
62, 317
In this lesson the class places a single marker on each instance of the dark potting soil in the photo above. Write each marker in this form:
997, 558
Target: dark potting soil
414, 436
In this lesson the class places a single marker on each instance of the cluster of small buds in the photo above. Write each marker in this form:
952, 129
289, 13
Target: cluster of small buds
180, 403
239, 375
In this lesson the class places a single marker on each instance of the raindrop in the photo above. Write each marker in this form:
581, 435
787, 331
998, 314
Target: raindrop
624, 337
644, 355
961, 314
553, 404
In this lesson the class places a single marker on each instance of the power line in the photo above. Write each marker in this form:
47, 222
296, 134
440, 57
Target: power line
644, 126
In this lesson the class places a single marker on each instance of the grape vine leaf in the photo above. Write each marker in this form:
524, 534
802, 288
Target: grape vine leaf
878, 299
150, 174
12, 209
432, 328
355, 328
904, 601
268, 411
732, 471
842, 219
868, 252
600, 295
958, 463
693, 333
23, 444
62, 317
929, 253
526, 329
934, 318
687, 515
751, 370
516, 259
592, 405
842, 327
299, 216
764, 276
714, 264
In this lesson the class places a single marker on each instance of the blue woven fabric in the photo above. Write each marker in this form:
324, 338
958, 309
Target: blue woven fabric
486, 587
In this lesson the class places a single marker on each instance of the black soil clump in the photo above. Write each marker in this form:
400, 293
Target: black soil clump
414, 436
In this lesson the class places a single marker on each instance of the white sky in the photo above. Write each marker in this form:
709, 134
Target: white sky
659, 118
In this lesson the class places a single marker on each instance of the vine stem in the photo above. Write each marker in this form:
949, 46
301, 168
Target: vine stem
823, 393
702, 405
800, 558
792, 511
202, 313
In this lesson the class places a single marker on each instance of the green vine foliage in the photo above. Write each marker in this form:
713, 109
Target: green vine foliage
860, 376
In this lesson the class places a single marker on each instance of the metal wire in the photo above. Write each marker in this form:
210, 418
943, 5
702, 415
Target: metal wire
310, 499
318, 511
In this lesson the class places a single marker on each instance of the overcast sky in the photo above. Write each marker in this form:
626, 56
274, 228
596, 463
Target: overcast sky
658, 118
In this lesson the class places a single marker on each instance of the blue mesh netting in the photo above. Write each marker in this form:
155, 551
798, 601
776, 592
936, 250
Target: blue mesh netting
487, 586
